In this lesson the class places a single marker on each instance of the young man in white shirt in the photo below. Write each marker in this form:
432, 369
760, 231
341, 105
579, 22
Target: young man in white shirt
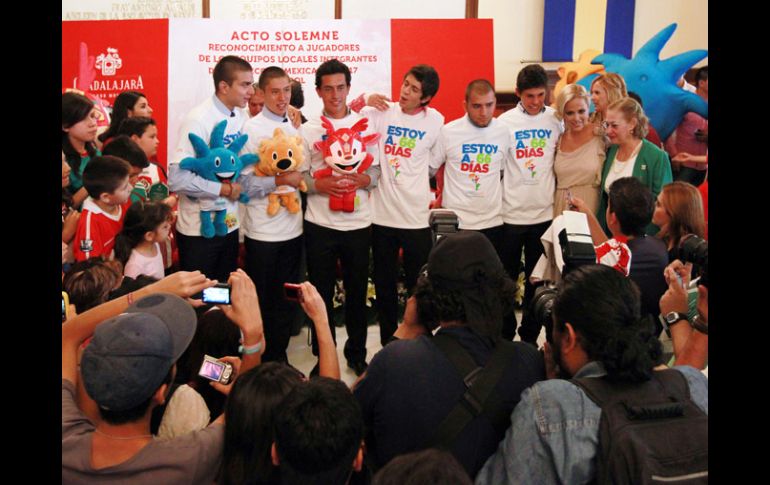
273, 243
215, 257
528, 187
408, 130
475, 149
330, 235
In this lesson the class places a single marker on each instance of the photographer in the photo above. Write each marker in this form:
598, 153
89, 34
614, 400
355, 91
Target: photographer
630, 208
413, 386
127, 368
607, 343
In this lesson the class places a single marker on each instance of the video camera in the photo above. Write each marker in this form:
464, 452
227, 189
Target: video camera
695, 250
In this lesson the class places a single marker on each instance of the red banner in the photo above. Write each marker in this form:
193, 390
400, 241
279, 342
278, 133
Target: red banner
110, 56
104, 58
461, 50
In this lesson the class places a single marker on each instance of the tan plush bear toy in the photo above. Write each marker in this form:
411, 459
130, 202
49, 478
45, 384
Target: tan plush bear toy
279, 154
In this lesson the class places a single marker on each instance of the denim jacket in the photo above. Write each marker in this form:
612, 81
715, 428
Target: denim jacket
554, 433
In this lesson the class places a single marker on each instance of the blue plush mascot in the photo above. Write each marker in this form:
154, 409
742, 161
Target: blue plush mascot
219, 164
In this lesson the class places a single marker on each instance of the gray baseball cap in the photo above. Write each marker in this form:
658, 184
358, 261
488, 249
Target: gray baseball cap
131, 354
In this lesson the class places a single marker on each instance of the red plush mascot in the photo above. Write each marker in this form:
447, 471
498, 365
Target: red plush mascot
344, 152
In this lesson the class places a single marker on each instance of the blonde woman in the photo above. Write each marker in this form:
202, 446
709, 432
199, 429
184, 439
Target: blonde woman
630, 154
580, 152
605, 90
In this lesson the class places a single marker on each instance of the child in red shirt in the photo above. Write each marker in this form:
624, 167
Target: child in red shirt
106, 181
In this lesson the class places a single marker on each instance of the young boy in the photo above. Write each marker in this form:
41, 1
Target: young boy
215, 257
126, 149
106, 181
331, 235
474, 149
528, 186
273, 243
408, 130
144, 133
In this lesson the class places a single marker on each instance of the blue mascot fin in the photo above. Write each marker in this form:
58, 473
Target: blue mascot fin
201, 147
218, 135
238, 143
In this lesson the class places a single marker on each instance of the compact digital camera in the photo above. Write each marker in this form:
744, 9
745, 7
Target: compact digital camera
216, 370
218, 294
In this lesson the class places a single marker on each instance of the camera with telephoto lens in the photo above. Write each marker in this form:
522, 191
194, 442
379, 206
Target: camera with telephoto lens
695, 250
577, 249
542, 305
442, 222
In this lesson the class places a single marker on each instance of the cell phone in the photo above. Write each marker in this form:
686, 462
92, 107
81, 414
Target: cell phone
218, 294
65, 306
679, 279
216, 370
568, 196
292, 291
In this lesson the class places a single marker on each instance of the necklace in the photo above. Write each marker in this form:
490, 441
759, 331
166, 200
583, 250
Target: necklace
122, 437
618, 165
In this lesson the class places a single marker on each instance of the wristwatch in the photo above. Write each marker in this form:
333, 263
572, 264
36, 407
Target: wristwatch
698, 325
674, 317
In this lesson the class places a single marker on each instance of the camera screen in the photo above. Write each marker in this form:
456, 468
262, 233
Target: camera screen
216, 295
63, 310
211, 370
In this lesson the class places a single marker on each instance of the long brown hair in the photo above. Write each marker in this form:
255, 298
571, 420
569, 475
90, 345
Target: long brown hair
684, 206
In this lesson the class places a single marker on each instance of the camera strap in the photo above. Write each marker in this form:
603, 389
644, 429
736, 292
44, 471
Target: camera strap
479, 396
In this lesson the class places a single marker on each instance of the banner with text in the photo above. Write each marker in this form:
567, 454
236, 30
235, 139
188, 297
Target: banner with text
299, 46
105, 58
171, 60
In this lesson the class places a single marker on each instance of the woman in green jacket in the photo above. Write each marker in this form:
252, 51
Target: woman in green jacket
630, 155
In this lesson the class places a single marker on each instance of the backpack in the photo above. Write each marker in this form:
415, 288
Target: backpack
650, 432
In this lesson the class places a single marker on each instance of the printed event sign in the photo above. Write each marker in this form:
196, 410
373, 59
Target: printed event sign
299, 46
170, 59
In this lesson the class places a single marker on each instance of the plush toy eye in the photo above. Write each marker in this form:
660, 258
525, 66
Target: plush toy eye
339, 153
275, 156
354, 151
232, 161
290, 154
217, 162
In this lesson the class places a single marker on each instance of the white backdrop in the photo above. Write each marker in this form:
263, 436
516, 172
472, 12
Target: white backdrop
195, 45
